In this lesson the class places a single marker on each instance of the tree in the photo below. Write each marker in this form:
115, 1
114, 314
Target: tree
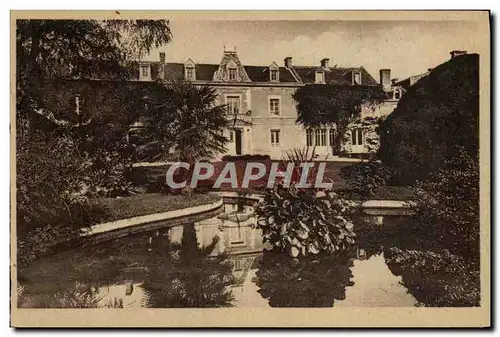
186, 120
339, 105
436, 114
62, 50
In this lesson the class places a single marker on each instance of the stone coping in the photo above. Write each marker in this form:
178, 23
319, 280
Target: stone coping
151, 218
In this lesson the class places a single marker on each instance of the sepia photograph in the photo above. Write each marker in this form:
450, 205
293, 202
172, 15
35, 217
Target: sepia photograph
229, 165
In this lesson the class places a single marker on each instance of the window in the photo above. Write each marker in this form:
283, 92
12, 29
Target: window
236, 235
275, 137
232, 74
274, 106
397, 94
357, 137
320, 77
238, 264
332, 135
316, 137
144, 72
356, 78
274, 75
309, 137
190, 73
233, 104
231, 136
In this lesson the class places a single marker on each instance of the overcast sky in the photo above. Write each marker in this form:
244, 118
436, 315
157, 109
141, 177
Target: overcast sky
407, 48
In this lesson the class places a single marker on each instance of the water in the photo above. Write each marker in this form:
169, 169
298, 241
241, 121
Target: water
213, 263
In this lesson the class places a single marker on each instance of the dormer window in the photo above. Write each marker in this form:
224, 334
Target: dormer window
144, 72
189, 70
320, 77
190, 73
274, 75
356, 78
397, 93
231, 74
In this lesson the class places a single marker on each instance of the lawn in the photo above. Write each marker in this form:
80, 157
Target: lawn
150, 203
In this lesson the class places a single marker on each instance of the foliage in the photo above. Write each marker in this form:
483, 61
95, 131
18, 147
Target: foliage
447, 205
186, 276
437, 113
320, 105
437, 279
247, 157
299, 222
90, 158
365, 178
313, 281
186, 119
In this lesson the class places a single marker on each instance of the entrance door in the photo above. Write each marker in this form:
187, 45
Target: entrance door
237, 141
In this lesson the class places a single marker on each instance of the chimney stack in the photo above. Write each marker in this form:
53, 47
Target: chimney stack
161, 66
455, 53
385, 79
394, 81
288, 62
325, 63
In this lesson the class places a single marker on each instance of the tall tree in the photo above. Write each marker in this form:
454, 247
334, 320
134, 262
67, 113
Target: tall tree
77, 50
326, 105
438, 113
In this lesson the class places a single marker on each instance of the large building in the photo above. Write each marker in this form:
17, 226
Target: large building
260, 103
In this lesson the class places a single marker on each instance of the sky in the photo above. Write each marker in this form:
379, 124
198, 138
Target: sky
406, 47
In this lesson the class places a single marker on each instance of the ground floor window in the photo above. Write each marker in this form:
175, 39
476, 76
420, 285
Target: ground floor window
275, 137
357, 136
236, 235
316, 137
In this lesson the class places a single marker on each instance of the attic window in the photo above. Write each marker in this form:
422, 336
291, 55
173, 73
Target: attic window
232, 74
356, 78
273, 73
320, 77
144, 72
397, 93
190, 73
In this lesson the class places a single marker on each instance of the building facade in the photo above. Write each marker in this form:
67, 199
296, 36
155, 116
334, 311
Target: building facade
261, 107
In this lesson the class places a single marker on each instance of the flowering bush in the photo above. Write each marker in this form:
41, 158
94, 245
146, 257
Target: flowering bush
300, 222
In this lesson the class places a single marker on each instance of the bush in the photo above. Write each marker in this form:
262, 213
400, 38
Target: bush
436, 279
298, 222
366, 178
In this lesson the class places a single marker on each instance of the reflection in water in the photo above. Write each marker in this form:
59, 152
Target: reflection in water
188, 266
315, 281
186, 275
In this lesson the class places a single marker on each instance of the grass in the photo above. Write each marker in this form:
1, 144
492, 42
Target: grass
150, 203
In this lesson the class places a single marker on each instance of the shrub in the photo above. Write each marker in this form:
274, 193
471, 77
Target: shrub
299, 222
437, 279
366, 178
247, 157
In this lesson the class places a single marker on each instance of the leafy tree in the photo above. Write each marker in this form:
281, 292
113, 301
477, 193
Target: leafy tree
186, 119
436, 114
69, 49
339, 105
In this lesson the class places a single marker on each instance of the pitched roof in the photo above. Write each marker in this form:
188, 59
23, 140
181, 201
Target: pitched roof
205, 72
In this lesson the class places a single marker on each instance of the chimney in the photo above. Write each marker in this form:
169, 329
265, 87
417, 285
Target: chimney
161, 66
385, 79
288, 62
325, 63
394, 81
455, 53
